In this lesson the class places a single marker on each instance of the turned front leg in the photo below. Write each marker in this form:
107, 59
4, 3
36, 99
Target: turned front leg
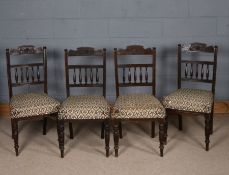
161, 137
116, 137
107, 137
61, 137
207, 130
15, 135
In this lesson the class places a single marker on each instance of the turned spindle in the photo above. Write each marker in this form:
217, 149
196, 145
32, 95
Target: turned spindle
80, 76
27, 74
123, 75
129, 76
74, 76
97, 75
91, 76
146, 75
135, 75
16, 75
38, 73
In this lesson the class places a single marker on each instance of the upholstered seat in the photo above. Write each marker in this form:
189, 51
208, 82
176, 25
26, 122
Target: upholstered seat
84, 107
32, 104
193, 100
138, 106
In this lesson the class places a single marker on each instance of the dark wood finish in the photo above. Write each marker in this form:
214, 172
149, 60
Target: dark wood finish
131, 68
153, 129
204, 74
107, 137
201, 77
166, 129
102, 130
44, 126
24, 74
133, 75
120, 130
162, 137
207, 130
60, 129
71, 130
85, 75
25, 50
89, 79
180, 122
15, 135
116, 137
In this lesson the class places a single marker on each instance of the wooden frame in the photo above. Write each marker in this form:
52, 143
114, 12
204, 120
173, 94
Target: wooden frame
130, 51
26, 80
86, 81
202, 77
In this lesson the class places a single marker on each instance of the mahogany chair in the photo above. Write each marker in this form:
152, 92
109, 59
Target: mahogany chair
193, 69
136, 106
28, 106
85, 107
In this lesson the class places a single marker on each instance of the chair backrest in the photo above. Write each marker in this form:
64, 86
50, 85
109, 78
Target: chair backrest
29, 73
87, 75
137, 74
197, 70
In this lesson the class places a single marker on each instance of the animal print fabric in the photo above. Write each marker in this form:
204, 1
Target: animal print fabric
32, 104
137, 106
193, 100
84, 107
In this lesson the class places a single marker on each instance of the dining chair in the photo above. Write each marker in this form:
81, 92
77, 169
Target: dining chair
197, 63
27, 67
130, 72
85, 107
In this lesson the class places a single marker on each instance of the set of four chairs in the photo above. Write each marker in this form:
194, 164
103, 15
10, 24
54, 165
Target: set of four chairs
130, 71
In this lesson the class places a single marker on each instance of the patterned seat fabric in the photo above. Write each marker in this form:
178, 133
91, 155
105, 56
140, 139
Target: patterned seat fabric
32, 104
138, 106
193, 100
84, 107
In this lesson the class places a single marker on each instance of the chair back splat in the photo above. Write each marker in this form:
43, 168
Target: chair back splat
28, 73
135, 74
196, 70
86, 75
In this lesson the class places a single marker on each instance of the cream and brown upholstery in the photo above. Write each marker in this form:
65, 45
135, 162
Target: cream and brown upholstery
32, 104
137, 106
193, 100
132, 71
31, 71
84, 107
